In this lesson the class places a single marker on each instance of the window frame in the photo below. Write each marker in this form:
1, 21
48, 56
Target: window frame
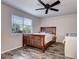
12, 22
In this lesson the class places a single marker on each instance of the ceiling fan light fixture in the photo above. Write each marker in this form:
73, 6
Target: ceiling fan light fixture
47, 6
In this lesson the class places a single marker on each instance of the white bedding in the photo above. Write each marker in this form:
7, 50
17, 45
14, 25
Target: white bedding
48, 37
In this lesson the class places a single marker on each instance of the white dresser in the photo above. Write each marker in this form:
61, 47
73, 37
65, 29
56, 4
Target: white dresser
70, 46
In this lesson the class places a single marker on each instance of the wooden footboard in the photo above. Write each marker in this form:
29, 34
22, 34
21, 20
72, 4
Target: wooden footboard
37, 41
34, 40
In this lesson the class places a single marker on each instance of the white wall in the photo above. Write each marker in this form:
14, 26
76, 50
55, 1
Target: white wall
64, 24
9, 40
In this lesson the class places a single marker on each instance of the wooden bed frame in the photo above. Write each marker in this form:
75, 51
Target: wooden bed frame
38, 41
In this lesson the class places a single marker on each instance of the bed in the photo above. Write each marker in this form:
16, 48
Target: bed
42, 40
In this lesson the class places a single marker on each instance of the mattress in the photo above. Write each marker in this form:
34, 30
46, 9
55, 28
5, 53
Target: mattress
48, 36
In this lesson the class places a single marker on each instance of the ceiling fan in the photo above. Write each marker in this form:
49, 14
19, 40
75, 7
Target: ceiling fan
47, 6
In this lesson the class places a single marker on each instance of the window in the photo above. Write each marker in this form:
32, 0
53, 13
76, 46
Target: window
21, 24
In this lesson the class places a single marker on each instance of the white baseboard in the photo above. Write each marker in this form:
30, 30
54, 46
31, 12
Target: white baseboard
9, 49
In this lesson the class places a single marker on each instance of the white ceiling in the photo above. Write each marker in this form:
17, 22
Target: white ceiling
65, 7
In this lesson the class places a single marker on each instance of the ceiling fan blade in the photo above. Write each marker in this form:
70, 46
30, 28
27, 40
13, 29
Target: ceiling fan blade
42, 3
55, 3
40, 9
46, 11
54, 9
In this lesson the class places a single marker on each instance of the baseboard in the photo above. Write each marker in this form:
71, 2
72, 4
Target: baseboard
9, 50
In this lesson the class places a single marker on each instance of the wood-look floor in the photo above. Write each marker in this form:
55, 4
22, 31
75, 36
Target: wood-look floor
55, 51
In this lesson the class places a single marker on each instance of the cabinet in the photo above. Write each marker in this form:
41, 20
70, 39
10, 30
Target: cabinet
70, 46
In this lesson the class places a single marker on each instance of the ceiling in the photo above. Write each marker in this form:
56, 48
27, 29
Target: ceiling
29, 6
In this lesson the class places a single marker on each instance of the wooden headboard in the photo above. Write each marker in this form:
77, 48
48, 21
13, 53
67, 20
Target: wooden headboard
51, 30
